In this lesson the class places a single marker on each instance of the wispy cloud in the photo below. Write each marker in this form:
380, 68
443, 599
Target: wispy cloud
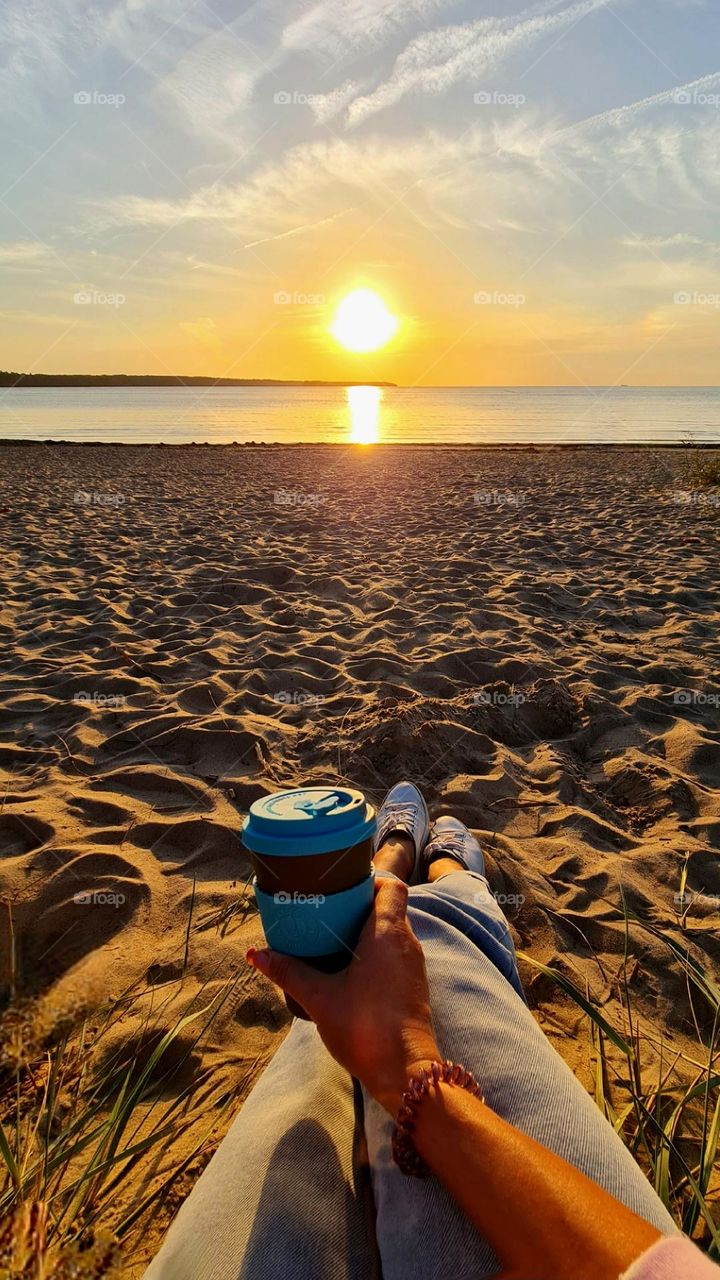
660, 150
525, 195
298, 231
532, 176
683, 95
24, 253
319, 181
51, 40
213, 84
195, 72
203, 329
681, 241
436, 60
326, 106
336, 26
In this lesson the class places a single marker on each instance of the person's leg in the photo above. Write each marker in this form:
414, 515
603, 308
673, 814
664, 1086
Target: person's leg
485, 922
482, 1021
287, 1196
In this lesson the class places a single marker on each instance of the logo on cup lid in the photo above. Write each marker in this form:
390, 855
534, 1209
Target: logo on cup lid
318, 805
307, 820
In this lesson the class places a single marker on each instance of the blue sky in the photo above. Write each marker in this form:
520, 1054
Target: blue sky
199, 160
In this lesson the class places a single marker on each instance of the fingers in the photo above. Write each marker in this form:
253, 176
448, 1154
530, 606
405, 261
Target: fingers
306, 985
391, 900
299, 980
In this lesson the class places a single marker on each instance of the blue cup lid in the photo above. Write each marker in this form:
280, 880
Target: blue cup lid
308, 820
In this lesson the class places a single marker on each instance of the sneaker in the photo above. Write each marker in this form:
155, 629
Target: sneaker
404, 810
450, 838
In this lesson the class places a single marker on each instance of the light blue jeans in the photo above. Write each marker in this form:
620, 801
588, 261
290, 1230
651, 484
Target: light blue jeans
304, 1187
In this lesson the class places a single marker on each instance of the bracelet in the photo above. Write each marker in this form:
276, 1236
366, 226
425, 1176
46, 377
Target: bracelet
403, 1145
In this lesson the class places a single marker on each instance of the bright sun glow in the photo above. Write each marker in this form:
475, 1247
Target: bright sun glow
363, 322
364, 405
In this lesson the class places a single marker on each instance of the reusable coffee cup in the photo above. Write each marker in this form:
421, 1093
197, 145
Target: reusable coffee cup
311, 850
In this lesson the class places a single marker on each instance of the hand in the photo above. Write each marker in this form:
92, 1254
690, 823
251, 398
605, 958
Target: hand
374, 1016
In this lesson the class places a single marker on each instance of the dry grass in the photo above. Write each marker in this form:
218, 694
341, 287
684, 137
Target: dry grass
664, 1107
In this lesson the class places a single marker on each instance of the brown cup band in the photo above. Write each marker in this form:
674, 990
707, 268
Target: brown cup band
314, 872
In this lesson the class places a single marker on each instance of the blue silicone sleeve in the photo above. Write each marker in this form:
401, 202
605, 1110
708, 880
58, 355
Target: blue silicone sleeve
315, 924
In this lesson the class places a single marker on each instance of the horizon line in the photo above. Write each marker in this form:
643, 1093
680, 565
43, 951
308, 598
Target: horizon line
9, 379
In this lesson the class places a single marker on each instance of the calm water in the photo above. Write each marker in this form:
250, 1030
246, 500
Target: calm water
435, 415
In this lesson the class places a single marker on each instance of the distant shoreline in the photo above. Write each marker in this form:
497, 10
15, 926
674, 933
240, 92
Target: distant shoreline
10, 380
151, 380
516, 446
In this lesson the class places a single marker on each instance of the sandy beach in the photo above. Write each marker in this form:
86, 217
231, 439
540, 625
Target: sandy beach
529, 634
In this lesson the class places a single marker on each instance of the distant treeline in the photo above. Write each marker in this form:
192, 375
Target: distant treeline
151, 380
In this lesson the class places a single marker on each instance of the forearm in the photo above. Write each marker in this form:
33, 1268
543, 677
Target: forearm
540, 1215
543, 1218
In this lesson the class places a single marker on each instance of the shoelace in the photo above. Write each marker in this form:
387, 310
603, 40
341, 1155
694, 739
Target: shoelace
397, 815
452, 844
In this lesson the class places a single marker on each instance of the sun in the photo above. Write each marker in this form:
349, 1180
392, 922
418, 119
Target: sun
362, 322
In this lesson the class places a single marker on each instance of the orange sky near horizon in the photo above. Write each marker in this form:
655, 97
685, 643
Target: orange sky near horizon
533, 196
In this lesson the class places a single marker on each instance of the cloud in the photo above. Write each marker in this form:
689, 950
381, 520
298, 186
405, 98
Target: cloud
212, 84
298, 231
203, 329
16, 316
436, 60
24, 253
338, 26
325, 106
658, 150
315, 181
49, 41
681, 240
509, 174
194, 71
696, 93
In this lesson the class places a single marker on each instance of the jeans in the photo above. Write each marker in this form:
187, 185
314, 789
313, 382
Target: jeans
304, 1187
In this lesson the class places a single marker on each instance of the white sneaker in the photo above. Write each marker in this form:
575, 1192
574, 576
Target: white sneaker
404, 810
450, 838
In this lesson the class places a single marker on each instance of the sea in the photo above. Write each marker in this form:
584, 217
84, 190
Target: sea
363, 415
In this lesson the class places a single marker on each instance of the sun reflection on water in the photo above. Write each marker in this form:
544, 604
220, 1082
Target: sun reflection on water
364, 408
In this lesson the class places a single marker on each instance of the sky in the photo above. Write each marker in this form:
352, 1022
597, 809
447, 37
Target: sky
192, 188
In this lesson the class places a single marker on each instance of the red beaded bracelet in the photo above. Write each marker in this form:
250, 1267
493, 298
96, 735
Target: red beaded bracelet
403, 1145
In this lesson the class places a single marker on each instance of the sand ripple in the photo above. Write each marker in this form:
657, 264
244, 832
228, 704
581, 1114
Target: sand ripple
530, 634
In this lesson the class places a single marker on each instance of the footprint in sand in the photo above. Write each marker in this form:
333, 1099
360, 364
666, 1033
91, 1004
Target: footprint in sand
20, 835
